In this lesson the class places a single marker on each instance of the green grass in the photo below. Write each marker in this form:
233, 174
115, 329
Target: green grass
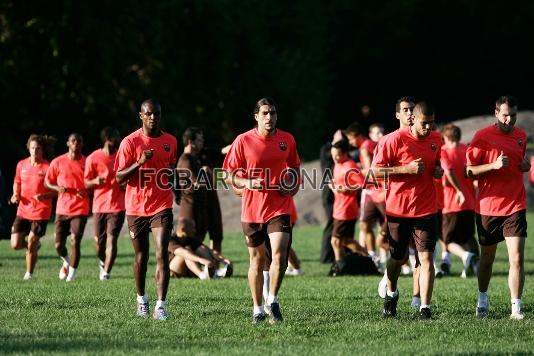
323, 315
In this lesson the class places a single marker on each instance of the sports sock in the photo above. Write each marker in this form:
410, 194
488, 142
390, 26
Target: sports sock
424, 306
266, 285
258, 310
392, 294
160, 304
516, 305
72, 272
272, 299
142, 299
65, 260
482, 299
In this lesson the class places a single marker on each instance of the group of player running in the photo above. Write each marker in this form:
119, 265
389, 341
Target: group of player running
132, 179
427, 185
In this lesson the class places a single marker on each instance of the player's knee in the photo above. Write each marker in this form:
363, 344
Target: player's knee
16, 244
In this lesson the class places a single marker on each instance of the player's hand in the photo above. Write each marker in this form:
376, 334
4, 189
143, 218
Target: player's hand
62, 190
81, 193
459, 198
145, 156
438, 172
15, 199
254, 184
525, 165
40, 197
501, 161
99, 180
417, 166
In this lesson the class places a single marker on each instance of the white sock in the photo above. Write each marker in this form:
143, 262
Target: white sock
445, 257
465, 255
258, 310
392, 294
72, 271
65, 260
160, 304
266, 281
142, 299
272, 299
516, 305
424, 306
482, 299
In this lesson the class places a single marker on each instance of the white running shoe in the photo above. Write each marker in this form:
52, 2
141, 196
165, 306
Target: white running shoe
104, 276
518, 315
72, 275
383, 287
27, 276
290, 271
64, 271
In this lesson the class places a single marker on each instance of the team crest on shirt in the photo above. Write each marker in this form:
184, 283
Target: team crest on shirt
282, 145
433, 146
520, 142
166, 147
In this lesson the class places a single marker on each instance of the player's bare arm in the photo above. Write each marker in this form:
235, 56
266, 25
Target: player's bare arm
500, 162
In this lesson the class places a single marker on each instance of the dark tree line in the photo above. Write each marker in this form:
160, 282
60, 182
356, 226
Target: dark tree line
80, 65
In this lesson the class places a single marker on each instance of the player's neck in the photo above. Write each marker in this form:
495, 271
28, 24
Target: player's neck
156, 132
34, 161
266, 133
74, 155
451, 144
108, 149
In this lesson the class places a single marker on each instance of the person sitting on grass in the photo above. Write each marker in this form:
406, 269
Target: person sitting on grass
190, 258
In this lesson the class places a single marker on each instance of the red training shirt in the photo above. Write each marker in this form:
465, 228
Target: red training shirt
453, 159
68, 173
31, 181
148, 190
500, 192
108, 197
409, 195
254, 156
346, 203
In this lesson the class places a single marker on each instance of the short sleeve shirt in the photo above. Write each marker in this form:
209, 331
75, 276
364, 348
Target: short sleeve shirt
346, 174
68, 173
453, 159
409, 195
149, 189
500, 192
254, 156
108, 197
31, 181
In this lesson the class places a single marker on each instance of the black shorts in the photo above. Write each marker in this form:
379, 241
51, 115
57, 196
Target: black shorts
343, 228
184, 242
24, 226
142, 225
257, 233
371, 211
458, 227
423, 230
66, 225
493, 229
108, 224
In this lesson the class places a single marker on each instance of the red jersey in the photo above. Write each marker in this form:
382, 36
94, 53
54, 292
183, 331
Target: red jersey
377, 194
368, 145
531, 173
346, 174
439, 193
254, 156
500, 192
68, 173
409, 195
31, 181
108, 197
453, 159
148, 190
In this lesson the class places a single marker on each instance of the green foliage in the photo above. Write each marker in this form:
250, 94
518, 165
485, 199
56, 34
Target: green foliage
323, 315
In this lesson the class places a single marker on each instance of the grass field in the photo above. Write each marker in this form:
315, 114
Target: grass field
323, 315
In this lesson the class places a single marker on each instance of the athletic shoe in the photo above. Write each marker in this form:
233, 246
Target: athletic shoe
390, 306
445, 268
104, 276
406, 270
205, 274
467, 265
27, 276
258, 318
425, 314
519, 315
71, 277
276, 315
143, 309
160, 314
224, 272
290, 271
482, 312
64, 271
438, 273
267, 309
416, 303
383, 287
